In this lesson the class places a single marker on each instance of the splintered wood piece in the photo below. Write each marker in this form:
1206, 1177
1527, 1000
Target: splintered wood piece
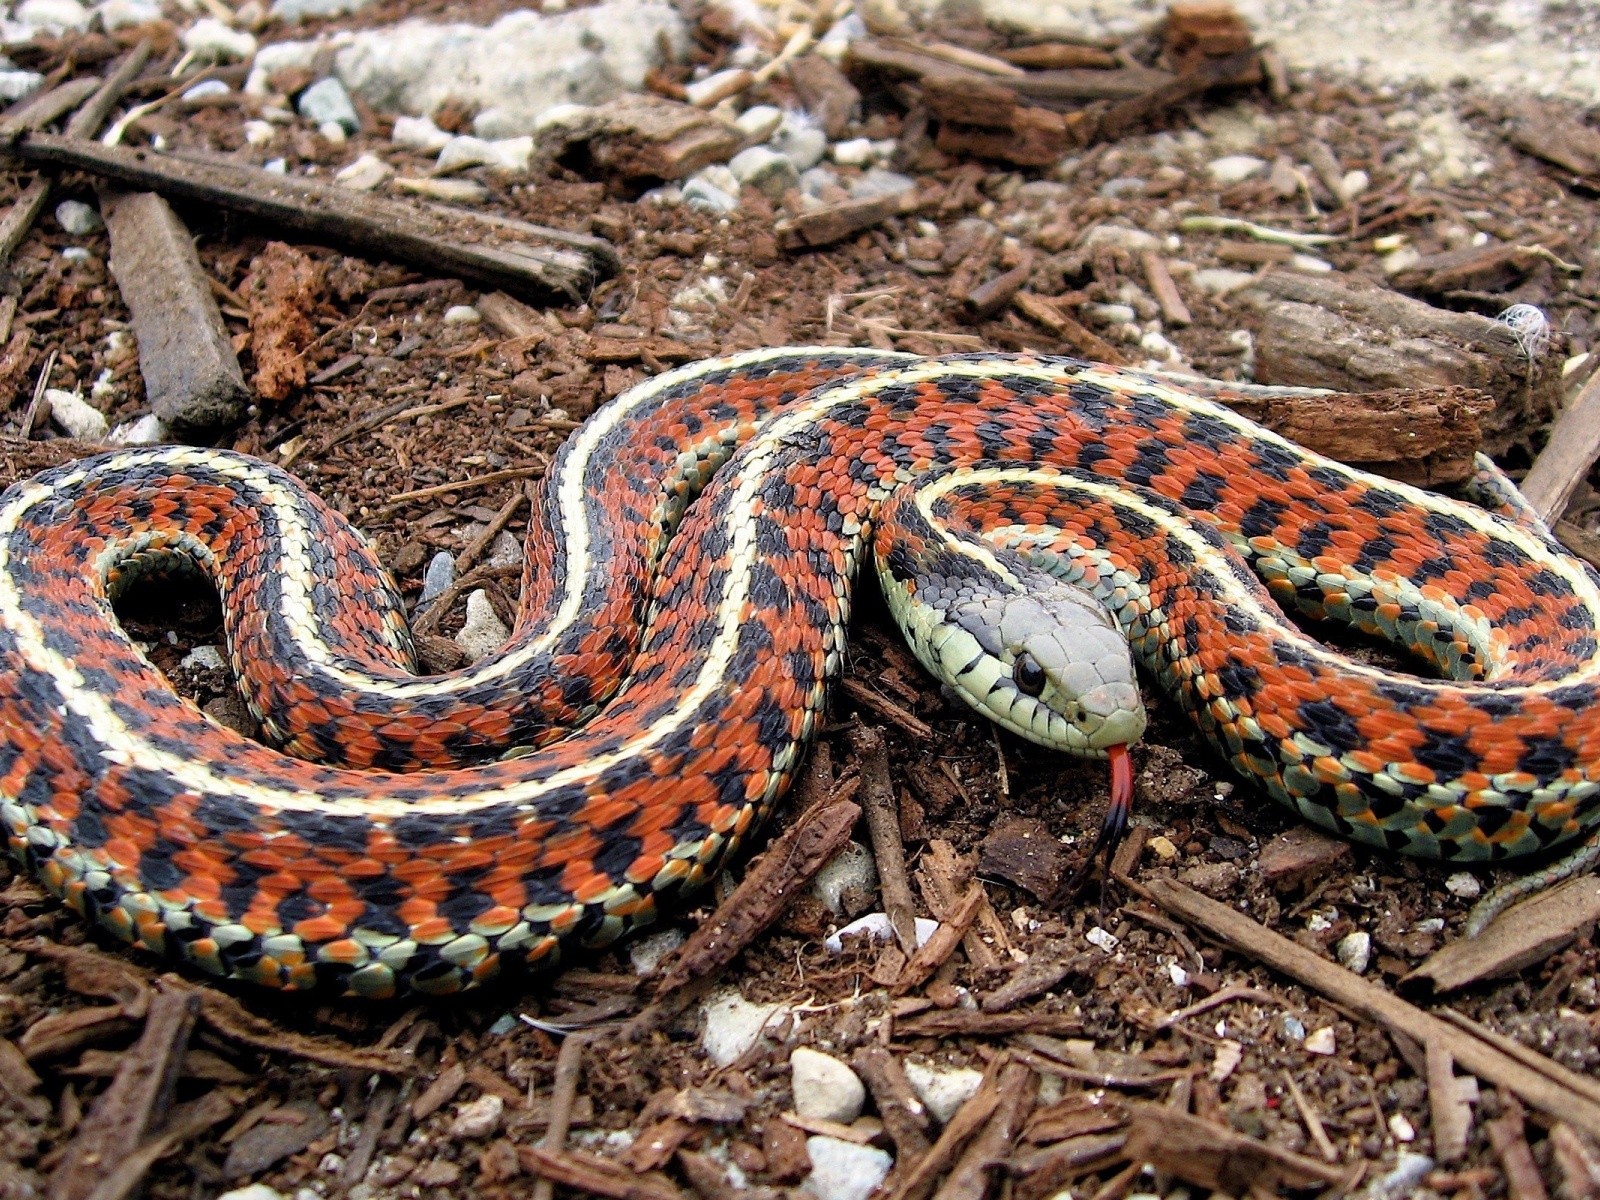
835, 222
933, 953
918, 1182
969, 1179
598, 1176
1573, 446
1510, 1141
190, 371
1077, 336
530, 260
46, 108
883, 822
1531, 1076
769, 885
904, 1116
135, 1104
1447, 1104
1213, 1156
826, 93
1526, 934
1165, 290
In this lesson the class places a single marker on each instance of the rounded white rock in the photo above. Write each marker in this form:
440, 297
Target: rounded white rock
825, 1089
842, 1170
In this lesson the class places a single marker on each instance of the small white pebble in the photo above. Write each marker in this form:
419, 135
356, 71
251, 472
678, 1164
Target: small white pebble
1180, 977
258, 133
1354, 951
1403, 1130
1320, 1041
461, 314
1163, 847
203, 658
479, 1118
1099, 937
276, 166
1464, 884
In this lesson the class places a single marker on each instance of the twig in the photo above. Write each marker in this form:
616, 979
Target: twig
136, 1102
1510, 1141
883, 820
563, 1095
31, 416
476, 547
1452, 1115
887, 709
1541, 1087
1313, 1122
933, 953
465, 485
968, 1119
904, 1116
768, 887
1159, 278
1573, 446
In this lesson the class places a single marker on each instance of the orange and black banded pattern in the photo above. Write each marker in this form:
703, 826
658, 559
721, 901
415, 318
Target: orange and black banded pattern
206, 847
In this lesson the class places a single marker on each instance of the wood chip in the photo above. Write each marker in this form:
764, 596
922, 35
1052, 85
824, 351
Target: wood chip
598, 1176
1164, 289
134, 1105
904, 1116
1213, 1156
1526, 934
1573, 446
1077, 336
191, 374
931, 955
883, 822
918, 1182
835, 222
1510, 1142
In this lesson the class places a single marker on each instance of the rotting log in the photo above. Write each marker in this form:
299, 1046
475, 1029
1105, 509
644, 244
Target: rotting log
525, 259
1333, 332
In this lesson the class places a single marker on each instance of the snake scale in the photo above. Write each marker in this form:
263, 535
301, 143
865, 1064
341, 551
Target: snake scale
690, 566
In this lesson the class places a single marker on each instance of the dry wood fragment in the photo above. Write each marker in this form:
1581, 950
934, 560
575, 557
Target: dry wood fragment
373, 1122
1078, 337
963, 1022
1578, 1162
510, 316
281, 296
1125, 115
1299, 854
1164, 289
1213, 1156
883, 822
904, 1116
197, 1064
969, 1179
1332, 332
931, 955
468, 558
135, 1104
440, 1092
563, 1097
1580, 1084
989, 298
1447, 1104
1510, 1142
788, 1161
1255, 254
641, 137
465, 485
826, 93
1526, 934
228, 1017
769, 885
1572, 448
1051, 1170
599, 1176
1532, 1077
709, 1178
825, 1128
1497, 268
85, 123
531, 260
835, 222
1046, 56
184, 1122
881, 706
1043, 970
1546, 132
918, 1182
940, 877
46, 107
21, 1082
63, 1032
191, 374
1311, 1119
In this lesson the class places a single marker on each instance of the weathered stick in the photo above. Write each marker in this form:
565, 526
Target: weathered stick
1535, 1085
883, 820
529, 259
1573, 446
191, 374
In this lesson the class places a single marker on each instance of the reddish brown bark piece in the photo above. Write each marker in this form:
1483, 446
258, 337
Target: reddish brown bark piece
1298, 854
638, 137
904, 1116
826, 93
1548, 133
135, 1104
596, 1175
1213, 1156
1527, 934
1018, 1088
766, 890
835, 222
282, 294
1510, 1142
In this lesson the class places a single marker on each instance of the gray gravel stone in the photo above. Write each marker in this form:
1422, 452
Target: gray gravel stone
326, 102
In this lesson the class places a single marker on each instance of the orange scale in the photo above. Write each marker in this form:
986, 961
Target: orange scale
260, 921
590, 888
432, 931
320, 929
211, 908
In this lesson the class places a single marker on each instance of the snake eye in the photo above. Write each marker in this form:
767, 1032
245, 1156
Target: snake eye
1028, 675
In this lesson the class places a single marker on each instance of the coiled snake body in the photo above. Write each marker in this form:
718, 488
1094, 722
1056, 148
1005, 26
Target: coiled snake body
982, 475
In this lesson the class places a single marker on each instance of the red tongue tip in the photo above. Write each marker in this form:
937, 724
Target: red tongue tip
1121, 778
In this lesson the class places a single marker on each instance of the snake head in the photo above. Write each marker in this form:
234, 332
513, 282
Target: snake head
1048, 664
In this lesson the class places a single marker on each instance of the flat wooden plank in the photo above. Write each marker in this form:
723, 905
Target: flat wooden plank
191, 374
